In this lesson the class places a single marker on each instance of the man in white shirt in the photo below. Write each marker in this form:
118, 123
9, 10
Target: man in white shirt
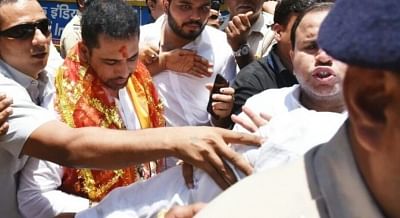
303, 116
184, 27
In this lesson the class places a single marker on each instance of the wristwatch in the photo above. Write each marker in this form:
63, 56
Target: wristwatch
242, 51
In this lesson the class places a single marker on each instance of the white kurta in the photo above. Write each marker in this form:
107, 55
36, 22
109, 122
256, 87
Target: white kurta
185, 97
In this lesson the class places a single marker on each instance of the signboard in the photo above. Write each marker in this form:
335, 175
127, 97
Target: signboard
61, 12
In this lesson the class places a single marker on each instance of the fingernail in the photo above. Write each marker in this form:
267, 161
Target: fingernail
190, 185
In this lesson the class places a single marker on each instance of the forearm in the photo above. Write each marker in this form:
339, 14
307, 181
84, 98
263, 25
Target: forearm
96, 147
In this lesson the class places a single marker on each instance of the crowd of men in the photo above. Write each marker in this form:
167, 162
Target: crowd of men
126, 122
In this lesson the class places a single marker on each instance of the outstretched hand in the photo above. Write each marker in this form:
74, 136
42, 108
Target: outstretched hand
206, 148
256, 121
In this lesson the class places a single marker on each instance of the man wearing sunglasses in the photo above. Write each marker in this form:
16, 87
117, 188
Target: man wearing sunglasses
24, 48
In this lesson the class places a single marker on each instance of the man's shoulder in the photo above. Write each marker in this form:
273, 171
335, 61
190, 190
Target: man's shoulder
278, 192
12, 88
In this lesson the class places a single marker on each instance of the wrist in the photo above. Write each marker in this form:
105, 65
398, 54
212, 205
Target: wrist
243, 50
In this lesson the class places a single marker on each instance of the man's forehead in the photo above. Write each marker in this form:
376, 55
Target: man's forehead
20, 12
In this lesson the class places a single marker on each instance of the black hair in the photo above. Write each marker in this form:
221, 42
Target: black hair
286, 8
114, 18
324, 6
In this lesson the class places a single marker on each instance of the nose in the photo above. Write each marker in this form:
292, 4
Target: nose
322, 58
39, 38
124, 70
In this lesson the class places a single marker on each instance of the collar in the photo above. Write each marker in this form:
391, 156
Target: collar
341, 185
262, 24
294, 98
21, 78
274, 61
35, 87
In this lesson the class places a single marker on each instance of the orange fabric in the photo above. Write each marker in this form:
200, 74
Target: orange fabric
82, 101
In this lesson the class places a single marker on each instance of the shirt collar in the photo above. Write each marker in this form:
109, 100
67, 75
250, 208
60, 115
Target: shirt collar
262, 24
35, 87
276, 60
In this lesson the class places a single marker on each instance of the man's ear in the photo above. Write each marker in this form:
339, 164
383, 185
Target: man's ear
277, 28
366, 100
84, 53
165, 5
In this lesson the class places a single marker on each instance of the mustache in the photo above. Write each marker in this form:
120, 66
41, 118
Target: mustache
193, 22
39, 50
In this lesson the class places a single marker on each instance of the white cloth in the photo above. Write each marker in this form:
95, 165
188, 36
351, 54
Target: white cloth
70, 35
27, 94
324, 183
184, 96
290, 134
38, 194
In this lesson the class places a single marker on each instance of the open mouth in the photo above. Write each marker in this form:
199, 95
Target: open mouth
324, 74
39, 55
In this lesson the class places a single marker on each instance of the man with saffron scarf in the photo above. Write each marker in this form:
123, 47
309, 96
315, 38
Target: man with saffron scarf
100, 84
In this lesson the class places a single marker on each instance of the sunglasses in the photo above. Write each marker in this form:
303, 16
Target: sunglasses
27, 30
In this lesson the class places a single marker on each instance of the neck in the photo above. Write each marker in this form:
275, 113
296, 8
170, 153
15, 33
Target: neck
328, 104
381, 176
170, 40
284, 57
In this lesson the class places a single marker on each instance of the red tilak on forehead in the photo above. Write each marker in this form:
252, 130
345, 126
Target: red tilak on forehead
124, 51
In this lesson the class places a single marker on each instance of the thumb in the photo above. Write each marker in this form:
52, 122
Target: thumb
209, 86
249, 13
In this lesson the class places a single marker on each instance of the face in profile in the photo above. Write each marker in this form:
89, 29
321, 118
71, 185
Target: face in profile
114, 60
25, 36
187, 18
319, 74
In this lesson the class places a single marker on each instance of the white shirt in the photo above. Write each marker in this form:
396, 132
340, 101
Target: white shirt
184, 96
27, 94
290, 133
38, 194
261, 36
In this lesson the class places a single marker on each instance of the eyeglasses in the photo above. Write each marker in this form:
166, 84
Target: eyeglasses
27, 30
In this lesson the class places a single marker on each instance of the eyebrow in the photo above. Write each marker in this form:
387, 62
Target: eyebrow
118, 60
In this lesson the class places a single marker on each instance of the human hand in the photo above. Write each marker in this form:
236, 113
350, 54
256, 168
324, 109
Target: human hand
186, 211
185, 61
256, 121
148, 54
238, 30
222, 103
207, 149
5, 112
213, 19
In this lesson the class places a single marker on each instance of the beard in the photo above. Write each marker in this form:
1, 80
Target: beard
178, 30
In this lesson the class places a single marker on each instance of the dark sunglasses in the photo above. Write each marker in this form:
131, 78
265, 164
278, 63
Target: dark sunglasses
27, 30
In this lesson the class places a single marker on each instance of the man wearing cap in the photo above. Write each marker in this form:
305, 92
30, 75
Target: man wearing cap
357, 173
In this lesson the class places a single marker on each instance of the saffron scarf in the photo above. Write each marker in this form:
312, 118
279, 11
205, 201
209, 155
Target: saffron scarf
82, 101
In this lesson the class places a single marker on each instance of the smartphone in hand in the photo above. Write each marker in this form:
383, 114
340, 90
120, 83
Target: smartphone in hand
220, 82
